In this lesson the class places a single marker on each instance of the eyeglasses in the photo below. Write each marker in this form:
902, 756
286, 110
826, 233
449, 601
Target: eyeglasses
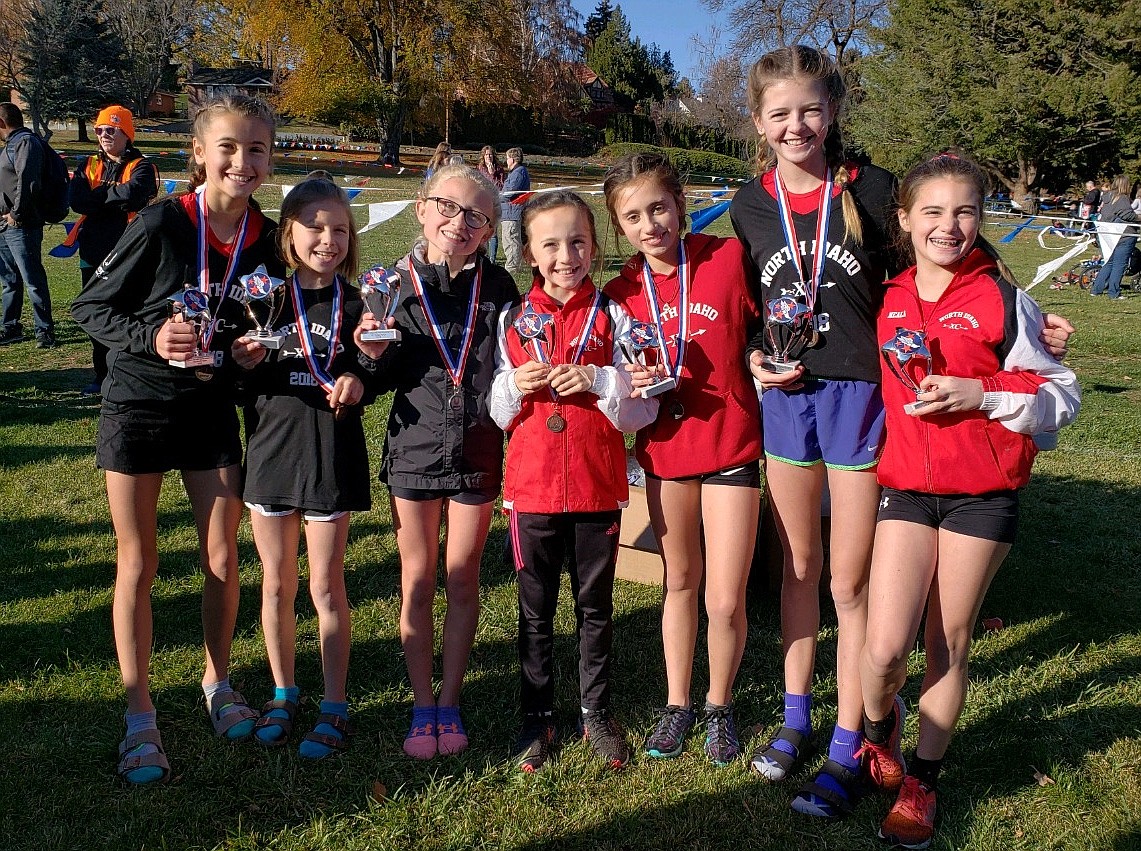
105, 131
449, 209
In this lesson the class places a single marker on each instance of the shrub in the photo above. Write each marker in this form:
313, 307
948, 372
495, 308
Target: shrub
685, 161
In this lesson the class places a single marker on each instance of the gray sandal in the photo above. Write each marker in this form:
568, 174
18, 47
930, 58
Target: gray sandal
131, 762
231, 710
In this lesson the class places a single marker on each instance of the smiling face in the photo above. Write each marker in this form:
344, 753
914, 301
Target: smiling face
943, 222
320, 240
650, 218
235, 151
794, 117
453, 240
560, 244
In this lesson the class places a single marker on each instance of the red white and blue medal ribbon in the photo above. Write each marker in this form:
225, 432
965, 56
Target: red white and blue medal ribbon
650, 290
808, 286
584, 334
204, 255
321, 372
454, 366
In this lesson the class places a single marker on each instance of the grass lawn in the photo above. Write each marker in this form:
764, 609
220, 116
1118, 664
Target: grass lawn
1055, 693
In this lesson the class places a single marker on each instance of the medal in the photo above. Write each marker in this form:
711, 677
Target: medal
677, 410
204, 256
809, 286
203, 373
556, 423
319, 371
454, 366
657, 339
456, 401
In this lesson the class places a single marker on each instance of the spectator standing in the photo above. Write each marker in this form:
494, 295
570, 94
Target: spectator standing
1090, 202
517, 181
1116, 208
491, 168
107, 191
439, 158
21, 262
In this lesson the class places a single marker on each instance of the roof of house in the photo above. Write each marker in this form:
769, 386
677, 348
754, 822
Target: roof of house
258, 77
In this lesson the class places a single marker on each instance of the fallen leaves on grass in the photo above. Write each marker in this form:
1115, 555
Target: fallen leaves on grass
1043, 779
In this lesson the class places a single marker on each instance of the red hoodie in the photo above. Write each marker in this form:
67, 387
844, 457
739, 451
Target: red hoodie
981, 327
721, 426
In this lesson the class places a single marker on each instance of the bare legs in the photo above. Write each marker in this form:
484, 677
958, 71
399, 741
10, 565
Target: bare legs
677, 509
133, 501
795, 493
417, 526
950, 573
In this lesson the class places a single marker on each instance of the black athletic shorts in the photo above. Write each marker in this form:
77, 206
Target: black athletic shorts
474, 496
992, 516
742, 476
153, 437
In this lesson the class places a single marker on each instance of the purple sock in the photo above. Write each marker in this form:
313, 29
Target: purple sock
843, 747
797, 716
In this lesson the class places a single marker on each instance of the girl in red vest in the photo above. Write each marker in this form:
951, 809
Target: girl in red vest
561, 392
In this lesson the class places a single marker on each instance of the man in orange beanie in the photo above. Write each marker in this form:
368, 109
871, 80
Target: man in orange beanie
107, 190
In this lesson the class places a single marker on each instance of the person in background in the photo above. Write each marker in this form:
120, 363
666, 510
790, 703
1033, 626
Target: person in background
22, 230
439, 157
1116, 209
515, 183
107, 191
491, 168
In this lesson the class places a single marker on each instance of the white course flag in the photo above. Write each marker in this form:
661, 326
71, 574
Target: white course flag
1108, 233
382, 212
1046, 269
286, 188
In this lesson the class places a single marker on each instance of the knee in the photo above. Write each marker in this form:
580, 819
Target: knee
462, 589
848, 593
276, 594
949, 652
724, 611
882, 661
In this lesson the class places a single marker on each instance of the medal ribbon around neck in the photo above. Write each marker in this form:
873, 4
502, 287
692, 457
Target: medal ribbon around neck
204, 255
455, 367
584, 334
320, 372
650, 290
808, 286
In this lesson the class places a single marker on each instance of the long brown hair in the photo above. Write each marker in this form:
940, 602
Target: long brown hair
808, 63
956, 166
317, 187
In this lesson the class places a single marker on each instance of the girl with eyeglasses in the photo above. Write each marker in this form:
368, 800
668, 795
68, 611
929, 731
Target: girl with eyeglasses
443, 455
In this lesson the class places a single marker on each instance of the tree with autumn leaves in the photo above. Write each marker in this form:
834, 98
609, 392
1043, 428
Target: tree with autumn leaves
369, 64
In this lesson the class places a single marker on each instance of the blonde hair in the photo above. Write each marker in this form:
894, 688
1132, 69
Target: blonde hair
316, 190
241, 105
801, 62
1120, 187
462, 171
954, 166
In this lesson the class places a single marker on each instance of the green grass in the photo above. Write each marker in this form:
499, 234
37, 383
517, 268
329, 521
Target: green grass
1057, 691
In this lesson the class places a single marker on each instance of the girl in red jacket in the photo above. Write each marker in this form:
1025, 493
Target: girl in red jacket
701, 454
562, 394
951, 470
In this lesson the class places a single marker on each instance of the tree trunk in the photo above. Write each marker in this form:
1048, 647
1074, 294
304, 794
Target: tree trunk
83, 137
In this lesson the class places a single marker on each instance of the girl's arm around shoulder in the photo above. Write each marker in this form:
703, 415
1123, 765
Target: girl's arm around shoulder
1050, 399
613, 388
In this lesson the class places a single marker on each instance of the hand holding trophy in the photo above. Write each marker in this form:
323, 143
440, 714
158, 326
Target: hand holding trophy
380, 291
264, 300
789, 330
194, 308
909, 360
641, 337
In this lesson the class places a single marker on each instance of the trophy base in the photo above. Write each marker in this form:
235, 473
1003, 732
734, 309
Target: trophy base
658, 388
203, 359
267, 341
779, 366
381, 335
912, 407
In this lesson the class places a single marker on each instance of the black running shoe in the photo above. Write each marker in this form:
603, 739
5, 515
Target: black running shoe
533, 747
605, 737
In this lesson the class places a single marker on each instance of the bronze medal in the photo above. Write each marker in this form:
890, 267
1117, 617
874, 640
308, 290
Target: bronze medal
556, 423
457, 400
204, 373
677, 410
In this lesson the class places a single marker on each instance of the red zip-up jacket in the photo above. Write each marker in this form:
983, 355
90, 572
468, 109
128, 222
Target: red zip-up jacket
583, 467
981, 327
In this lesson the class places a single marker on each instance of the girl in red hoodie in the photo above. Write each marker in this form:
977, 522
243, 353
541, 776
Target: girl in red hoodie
951, 469
561, 392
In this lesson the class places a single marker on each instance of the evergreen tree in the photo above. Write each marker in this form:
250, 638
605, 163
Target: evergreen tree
626, 64
598, 20
69, 63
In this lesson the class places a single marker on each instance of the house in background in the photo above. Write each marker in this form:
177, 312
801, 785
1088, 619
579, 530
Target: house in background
162, 104
602, 101
205, 84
